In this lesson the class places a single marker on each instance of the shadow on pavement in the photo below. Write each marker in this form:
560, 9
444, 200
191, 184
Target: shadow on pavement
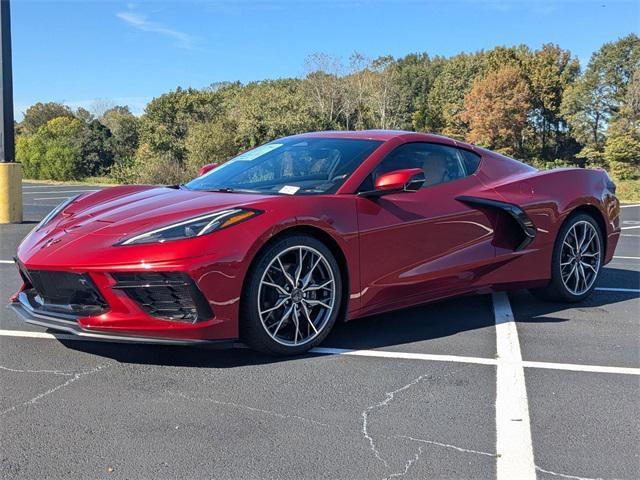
423, 323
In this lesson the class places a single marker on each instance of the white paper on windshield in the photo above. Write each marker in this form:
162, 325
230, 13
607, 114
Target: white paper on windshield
289, 189
257, 152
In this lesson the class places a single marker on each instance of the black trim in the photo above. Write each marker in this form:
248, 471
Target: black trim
165, 295
519, 215
68, 324
62, 292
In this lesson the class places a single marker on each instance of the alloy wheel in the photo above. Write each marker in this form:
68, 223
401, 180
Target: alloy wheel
296, 296
580, 258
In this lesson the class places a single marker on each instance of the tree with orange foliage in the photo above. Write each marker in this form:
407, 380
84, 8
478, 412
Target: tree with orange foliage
496, 111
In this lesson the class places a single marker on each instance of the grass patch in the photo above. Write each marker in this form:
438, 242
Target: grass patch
99, 181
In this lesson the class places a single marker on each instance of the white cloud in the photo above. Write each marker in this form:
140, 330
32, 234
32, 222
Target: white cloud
141, 22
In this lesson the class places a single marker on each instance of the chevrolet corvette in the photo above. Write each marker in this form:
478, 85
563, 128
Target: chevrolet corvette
276, 245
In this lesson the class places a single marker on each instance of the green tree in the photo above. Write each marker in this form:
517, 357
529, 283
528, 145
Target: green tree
549, 72
596, 97
323, 85
622, 152
54, 151
96, 150
210, 142
388, 99
622, 148
84, 115
267, 110
125, 131
39, 114
445, 102
165, 123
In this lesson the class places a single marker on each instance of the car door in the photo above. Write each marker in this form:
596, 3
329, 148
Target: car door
426, 244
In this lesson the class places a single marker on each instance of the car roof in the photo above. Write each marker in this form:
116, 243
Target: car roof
385, 135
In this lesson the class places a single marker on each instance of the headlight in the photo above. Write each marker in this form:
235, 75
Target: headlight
194, 227
53, 213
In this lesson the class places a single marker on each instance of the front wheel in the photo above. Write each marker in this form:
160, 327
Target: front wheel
577, 260
292, 296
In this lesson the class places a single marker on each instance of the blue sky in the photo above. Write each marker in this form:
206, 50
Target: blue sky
128, 52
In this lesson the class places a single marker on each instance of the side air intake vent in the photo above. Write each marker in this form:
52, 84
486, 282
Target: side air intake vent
524, 228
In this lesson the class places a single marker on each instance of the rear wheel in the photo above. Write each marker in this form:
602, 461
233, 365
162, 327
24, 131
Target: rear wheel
292, 296
577, 260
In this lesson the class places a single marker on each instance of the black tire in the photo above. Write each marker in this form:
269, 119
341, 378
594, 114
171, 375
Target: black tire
252, 330
557, 290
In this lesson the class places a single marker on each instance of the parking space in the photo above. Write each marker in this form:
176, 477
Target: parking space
454, 389
39, 198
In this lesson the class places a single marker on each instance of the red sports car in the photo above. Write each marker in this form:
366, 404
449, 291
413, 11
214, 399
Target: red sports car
276, 245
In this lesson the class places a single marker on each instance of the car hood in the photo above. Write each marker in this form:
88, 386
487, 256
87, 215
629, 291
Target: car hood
114, 212
89, 226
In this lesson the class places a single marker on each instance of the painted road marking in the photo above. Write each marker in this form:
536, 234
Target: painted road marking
63, 185
624, 290
50, 198
7, 261
404, 355
626, 258
630, 228
629, 206
59, 191
43, 335
378, 354
582, 368
513, 427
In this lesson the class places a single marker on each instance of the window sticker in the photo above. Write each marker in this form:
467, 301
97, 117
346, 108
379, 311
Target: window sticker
257, 152
246, 157
289, 189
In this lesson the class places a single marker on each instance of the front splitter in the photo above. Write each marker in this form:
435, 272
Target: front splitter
68, 325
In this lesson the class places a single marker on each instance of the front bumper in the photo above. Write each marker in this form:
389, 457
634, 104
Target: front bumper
69, 324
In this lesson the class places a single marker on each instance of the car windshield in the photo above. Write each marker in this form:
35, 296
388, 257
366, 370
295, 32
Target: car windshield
294, 166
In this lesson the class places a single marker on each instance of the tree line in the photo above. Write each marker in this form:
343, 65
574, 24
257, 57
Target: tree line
536, 105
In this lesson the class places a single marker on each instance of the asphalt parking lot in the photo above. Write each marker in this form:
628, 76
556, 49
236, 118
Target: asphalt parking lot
478, 387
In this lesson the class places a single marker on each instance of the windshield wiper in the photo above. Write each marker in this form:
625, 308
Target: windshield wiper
231, 190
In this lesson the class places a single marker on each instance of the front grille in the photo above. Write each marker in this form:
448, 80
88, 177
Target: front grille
63, 292
166, 295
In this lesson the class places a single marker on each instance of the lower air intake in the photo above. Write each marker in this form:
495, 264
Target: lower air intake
166, 295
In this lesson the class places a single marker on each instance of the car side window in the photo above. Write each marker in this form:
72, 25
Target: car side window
440, 163
471, 161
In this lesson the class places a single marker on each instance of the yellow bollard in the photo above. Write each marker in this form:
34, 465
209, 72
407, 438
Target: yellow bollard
10, 193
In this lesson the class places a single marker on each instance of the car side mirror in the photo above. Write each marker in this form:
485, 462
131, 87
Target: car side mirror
207, 168
406, 180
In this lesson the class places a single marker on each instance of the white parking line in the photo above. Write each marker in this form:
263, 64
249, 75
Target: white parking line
625, 258
404, 355
624, 290
50, 198
62, 185
582, 368
513, 428
381, 354
630, 228
7, 261
60, 191
43, 335
629, 206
